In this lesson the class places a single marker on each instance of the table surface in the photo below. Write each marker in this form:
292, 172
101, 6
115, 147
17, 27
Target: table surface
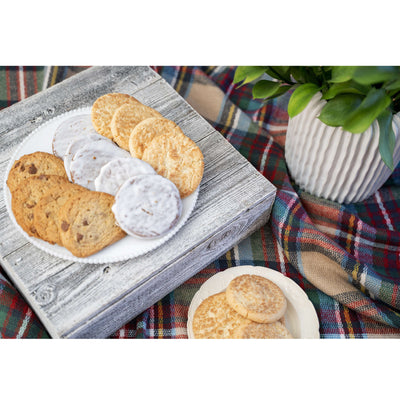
346, 258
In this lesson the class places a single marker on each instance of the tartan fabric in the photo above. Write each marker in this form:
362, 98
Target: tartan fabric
345, 257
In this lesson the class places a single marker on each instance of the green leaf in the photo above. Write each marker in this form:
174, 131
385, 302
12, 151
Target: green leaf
301, 97
337, 110
387, 139
280, 73
371, 75
345, 87
298, 74
394, 85
264, 89
342, 74
281, 90
372, 105
247, 74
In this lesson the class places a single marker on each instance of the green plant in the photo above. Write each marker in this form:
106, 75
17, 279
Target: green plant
355, 95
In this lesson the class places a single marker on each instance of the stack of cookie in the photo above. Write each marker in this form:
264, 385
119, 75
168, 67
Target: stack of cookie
48, 206
124, 169
252, 307
148, 136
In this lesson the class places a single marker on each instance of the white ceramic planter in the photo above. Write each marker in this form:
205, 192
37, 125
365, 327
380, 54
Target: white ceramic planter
332, 163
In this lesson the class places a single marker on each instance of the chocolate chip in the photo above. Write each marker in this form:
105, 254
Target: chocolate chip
64, 226
43, 177
22, 168
48, 214
32, 169
79, 237
30, 205
17, 164
85, 223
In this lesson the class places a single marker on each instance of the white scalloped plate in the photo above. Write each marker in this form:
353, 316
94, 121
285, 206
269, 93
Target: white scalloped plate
129, 247
300, 318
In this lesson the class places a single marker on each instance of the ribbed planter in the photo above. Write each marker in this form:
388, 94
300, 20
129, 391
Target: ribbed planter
332, 163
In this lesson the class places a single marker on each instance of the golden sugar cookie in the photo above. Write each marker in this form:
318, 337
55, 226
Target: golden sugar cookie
178, 159
255, 330
215, 319
147, 130
256, 298
87, 224
34, 164
45, 214
104, 108
26, 196
126, 118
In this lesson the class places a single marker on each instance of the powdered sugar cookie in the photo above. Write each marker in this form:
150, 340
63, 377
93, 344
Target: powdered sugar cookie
104, 108
126, 118
147, 206
113, 174
87, 162
78, 144
256, 298
145, 131
178, 159
71, 129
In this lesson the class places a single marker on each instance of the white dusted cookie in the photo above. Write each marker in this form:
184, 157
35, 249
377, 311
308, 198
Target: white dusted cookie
256, 298
74, 127
147, 206
87, 162
113, 174
78, 144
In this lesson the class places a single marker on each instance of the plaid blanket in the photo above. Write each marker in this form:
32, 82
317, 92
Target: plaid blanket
345, 257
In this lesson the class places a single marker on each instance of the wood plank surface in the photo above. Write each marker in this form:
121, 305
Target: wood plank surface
78, 300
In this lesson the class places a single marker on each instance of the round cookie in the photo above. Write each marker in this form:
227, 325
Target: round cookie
104, 108
27, 195
87, 224
145, 131
87, 162
215, 319
256, 298
113, 174
178, 159
34, 164
126, 118
71, 129
147, 206
78, 144
45, 214
254, 330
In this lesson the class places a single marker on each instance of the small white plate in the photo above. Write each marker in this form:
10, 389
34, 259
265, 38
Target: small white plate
300, 318
129, 247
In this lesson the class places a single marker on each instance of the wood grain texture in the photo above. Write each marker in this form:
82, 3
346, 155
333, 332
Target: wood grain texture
77, 300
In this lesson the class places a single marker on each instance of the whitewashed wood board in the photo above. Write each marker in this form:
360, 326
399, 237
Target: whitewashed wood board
77, 300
